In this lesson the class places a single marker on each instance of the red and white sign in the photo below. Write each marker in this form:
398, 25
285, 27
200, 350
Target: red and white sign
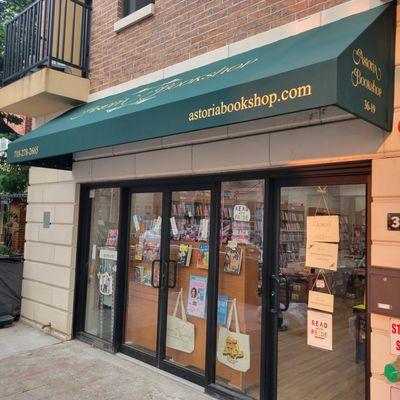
319, 329
395, 336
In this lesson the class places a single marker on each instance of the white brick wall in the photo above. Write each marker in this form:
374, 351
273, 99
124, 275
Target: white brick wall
49, 269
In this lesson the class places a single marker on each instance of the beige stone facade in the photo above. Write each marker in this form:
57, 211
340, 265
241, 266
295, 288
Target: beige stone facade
50, 254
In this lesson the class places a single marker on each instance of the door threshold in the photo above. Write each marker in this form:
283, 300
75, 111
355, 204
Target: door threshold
185, 382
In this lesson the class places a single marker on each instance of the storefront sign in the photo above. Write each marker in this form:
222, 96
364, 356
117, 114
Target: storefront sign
322, 255
355, 75
323, 229
319, 329
320, 301
393, 222
395, 336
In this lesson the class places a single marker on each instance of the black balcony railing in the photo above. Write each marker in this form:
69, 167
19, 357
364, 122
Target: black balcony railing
49, 33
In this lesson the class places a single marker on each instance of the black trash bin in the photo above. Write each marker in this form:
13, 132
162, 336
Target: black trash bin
10, 286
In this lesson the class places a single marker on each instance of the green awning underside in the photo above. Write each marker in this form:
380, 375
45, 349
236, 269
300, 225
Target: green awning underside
348, 64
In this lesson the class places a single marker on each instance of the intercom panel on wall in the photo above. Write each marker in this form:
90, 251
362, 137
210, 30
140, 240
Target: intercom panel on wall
384, 291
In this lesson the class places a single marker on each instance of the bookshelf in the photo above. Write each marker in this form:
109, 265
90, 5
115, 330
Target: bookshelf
292, 233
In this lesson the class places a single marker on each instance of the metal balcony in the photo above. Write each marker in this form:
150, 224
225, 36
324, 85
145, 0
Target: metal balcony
49, 33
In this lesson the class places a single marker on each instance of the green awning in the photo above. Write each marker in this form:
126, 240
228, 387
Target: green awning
348, 64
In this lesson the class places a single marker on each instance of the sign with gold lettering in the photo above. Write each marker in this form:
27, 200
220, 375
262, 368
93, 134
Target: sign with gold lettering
366, 72
350, 66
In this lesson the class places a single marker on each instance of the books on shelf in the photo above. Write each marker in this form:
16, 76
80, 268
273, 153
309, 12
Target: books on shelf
292, 216
190, 209
241, 232
292, 226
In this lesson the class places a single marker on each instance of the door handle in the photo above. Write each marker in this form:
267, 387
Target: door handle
152, 274
277, 280
175, 273
286, 281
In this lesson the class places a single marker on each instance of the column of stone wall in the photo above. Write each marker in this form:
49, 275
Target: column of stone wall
385, 251
50, 253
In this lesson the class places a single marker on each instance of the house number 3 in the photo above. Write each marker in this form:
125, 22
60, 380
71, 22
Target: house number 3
393, 222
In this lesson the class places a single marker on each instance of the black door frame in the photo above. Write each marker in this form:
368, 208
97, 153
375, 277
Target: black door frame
338, 173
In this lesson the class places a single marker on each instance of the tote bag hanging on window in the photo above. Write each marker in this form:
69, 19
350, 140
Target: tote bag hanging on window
233, 346
180, 332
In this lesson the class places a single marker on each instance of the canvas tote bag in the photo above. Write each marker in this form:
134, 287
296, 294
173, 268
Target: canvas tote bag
180, 332
233, 347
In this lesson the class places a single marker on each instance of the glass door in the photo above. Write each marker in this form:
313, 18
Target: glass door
188, 270
102, 263
143, 277
167, 280
322, 269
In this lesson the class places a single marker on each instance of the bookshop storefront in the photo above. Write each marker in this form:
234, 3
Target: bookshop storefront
251, 284
177, 277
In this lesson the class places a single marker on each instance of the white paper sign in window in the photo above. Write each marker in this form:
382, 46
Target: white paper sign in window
323, 229
319, 329
241, 213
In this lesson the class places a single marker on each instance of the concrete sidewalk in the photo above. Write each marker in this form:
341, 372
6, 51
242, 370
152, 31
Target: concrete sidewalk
36, 366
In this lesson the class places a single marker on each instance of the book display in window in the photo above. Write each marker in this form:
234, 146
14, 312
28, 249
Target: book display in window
202, 256
233, 258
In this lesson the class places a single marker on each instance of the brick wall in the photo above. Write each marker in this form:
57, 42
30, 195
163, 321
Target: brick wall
24, 127
179, 30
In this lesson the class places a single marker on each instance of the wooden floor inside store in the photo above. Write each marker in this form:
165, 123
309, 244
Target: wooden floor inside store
305, 372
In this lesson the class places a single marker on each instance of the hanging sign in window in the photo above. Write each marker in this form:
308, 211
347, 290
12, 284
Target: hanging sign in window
107, 254
322, 255
323, 229
319, 329
241, 213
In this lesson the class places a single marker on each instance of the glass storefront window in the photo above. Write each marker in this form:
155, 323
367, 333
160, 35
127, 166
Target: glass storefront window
239, 298
102, 265
338, 373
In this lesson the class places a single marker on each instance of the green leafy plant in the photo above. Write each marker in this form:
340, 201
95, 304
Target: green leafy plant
8, 10
13, 178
